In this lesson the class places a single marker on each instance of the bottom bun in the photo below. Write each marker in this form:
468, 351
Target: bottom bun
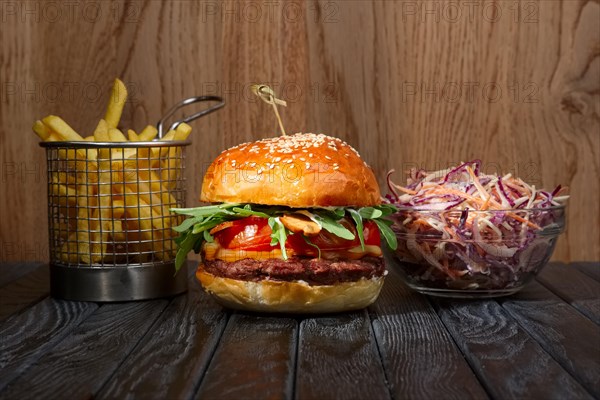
290, 297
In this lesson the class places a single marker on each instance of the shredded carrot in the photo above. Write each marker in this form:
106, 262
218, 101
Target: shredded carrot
406, 190
521, 219
486, 203
486, 220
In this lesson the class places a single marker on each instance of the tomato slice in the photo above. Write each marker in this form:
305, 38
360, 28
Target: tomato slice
329, 242
254, 234
250, 233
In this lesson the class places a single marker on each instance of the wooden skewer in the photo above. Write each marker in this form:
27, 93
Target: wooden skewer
267, 95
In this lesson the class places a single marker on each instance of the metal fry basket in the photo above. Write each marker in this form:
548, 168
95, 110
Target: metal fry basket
109, 224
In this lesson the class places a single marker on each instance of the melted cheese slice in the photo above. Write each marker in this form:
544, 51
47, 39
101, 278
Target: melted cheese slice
213, 251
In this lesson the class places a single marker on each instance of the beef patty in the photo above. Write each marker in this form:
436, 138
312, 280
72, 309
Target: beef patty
311, 270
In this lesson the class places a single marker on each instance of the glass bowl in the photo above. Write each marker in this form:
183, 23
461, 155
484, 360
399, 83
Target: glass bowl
474, 254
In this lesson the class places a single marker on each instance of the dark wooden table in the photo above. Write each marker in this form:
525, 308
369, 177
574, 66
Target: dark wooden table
542, 343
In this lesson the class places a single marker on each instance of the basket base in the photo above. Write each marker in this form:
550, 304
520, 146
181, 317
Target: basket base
116, 284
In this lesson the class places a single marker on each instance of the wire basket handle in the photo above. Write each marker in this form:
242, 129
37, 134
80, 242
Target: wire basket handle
183, 103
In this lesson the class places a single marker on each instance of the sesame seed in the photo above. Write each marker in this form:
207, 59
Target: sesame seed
291, 145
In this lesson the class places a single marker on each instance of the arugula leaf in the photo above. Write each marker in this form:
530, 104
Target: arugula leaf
370, 213
357, 217
208, 237
387, 232
340, 212
186, 224
387, 209
196, 230
185, 246
278, 235
308, 242
247, 212
206, 210
209, 223
332, 226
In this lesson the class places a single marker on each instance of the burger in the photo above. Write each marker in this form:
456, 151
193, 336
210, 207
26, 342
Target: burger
295, 224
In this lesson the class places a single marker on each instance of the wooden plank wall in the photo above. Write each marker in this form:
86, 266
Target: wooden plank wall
407, 83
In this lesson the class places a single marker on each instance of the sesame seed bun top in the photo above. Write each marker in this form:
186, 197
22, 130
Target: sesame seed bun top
301, 170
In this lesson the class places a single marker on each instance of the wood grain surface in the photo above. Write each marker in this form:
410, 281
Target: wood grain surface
574, 287
508, 361
419, 356
535, 344
339, 349
408, 83
26, 337
181, 343
565, 334
590, 269
264, 348
99, 344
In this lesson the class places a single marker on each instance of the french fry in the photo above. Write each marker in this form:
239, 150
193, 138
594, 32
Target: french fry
62, 230
68, 250
143, 190
165, 246
171, 164
104, 198
118, 234
182, 131
141, 211
85, 224
87, 154
169, 136
113, 201
148, 133
63, 129
118, 209
99, 238
101, 132
116, 103
133, 137
64, 191
116, 135
155, 184
53, 137
170, 169
41, 130
63, 178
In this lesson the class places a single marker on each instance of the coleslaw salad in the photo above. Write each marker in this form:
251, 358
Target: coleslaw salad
461, 229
